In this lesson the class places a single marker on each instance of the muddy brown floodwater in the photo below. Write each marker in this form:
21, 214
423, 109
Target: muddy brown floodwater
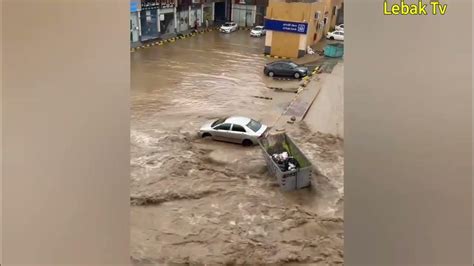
200, 202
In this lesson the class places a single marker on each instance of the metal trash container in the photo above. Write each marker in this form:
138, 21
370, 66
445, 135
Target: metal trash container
334, 50
292, 179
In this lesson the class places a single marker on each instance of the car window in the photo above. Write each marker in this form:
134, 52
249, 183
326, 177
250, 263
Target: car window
238, 128
254, 125
218, 122
293, 65
223, 127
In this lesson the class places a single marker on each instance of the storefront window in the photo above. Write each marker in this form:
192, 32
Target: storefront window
149, 24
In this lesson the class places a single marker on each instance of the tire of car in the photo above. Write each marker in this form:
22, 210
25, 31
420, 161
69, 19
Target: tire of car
205, 135
296, 75
247, 142
271, 74
331, 38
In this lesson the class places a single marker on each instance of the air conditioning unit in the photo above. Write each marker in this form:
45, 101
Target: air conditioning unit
317, 15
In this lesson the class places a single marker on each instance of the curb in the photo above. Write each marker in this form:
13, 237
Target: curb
307, 79
276, 56
262, 97
171, 40
309, 106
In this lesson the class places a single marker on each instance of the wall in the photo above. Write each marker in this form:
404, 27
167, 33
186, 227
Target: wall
331, 22
282, 43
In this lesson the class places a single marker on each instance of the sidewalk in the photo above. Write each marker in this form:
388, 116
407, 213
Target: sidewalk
326, 115
299, 105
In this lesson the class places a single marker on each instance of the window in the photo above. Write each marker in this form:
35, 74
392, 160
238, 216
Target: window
292, 65
238, 128
278, 65
223, 127
317, 15
218, 122
254, 125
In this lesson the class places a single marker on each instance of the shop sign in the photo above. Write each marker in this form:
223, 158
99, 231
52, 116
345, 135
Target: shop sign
286, 26
133, 7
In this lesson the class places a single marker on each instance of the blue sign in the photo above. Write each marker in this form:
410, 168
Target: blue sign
133, 6
286, 26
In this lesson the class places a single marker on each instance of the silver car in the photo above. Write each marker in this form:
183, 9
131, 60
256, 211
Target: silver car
237, 129
257, 31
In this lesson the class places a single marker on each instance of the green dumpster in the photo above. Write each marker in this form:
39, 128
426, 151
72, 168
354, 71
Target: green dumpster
334, 50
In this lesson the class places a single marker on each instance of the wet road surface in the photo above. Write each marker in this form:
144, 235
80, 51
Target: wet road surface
199, 201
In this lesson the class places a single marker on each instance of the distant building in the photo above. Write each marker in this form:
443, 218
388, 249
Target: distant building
153, 19
292, 26
248, 13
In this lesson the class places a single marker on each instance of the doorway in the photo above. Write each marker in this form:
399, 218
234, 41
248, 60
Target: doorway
219, 12
134, 28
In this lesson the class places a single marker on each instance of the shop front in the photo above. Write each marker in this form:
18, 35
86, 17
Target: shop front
134, 23
244, 14
168, 19
207, 16
149, 20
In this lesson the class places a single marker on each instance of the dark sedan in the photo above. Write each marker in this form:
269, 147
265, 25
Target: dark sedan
285, 69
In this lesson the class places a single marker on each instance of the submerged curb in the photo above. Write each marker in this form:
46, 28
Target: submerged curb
307, 79
172, 40
276, 57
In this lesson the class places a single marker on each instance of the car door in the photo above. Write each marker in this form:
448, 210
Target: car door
276, 69
287, 70
338, 36
221, 132
237, 133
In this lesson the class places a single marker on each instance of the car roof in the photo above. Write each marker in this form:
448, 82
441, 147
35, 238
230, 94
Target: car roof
282, 61
241, 120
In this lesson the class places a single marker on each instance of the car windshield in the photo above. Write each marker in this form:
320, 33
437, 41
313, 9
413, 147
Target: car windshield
228, 24
254, 125
218, 122
258, 28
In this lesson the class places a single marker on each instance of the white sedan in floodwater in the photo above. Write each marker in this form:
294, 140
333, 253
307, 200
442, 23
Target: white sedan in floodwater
236, 129
229, 27
335, 35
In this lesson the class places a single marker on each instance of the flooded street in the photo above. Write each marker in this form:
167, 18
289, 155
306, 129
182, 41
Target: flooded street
197, 201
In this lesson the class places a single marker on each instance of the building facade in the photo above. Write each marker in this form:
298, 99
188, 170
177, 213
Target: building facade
153, 19
293, 26
134, 22
249, 13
